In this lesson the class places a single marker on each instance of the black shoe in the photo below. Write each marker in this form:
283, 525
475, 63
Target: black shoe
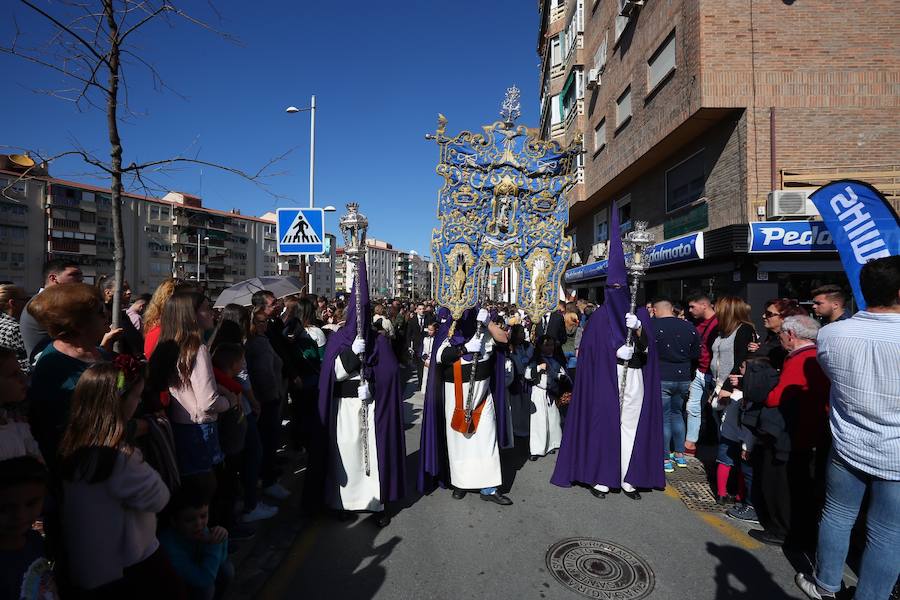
597, 493
496, 498
383, 519
345, 515
533, 457
635, 495
722, 500
553, 451
766, 537
459, 494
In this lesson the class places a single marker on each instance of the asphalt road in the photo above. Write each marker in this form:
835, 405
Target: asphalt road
438, 547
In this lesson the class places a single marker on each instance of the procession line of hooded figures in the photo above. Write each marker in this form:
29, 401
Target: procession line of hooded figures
610, 441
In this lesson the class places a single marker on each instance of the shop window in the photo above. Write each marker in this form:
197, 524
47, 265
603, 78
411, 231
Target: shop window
662, 62
685, 182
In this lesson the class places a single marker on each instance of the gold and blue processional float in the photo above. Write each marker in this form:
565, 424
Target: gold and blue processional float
503, 204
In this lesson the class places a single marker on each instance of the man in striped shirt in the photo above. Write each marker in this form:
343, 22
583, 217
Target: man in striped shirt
861, 356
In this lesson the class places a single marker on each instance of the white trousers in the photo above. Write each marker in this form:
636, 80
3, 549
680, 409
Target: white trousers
630, 414
545, 429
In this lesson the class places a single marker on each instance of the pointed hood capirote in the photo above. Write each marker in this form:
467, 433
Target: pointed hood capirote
383, 372
591, 445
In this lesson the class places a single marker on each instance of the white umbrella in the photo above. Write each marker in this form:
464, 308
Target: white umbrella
242, 292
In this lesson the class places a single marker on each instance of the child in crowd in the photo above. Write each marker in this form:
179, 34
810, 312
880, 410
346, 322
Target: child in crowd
24, 570
544, 372
15, 434
198, 553
427, 347
735, 445
110, 495
228, 362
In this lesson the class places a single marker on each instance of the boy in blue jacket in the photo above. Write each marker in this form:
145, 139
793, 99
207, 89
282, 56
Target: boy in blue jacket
198, 554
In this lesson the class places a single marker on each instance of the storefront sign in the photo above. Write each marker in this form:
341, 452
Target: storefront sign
686, 248
790, 236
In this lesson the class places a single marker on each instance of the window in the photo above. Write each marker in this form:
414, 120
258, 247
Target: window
600, 54
154, 212
685, 182
621, 22
623, 108
601, 226
555, 51
662, 62
572, 91
600, 135
624, 206
555, 110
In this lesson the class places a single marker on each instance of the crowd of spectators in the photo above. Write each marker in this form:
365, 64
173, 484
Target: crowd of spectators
142, 452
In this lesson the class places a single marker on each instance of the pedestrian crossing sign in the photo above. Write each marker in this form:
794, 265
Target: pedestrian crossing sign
300, 230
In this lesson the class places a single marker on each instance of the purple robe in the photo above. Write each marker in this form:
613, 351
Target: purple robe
434, 467
591, 443
382, 369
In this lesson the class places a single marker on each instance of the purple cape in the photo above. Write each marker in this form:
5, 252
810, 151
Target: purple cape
591, 444
434, 467
382, 369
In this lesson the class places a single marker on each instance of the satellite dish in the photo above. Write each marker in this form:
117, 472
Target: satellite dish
21, 160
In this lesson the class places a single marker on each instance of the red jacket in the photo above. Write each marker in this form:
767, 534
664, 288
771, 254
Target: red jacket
804, 388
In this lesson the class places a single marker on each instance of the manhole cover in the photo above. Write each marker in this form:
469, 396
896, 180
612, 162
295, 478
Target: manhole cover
600, 569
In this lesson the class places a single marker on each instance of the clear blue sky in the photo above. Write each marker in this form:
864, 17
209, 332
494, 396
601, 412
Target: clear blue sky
381, 71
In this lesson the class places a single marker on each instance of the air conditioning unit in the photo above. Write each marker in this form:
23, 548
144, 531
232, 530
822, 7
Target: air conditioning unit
790, 204
598, 250
629, 6
593, 79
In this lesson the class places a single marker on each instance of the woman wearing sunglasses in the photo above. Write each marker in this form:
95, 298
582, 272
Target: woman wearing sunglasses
777, 310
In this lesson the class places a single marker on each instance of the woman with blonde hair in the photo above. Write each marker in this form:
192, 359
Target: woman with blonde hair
153, 314
729, 350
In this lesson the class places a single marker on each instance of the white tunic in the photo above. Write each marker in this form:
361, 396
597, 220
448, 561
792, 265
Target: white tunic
630, 413
354, 490
474, 457
546, 430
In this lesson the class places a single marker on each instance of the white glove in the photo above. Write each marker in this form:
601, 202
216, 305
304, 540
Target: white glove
473, 345
625, 352
358, 346
363, 392
632, 322
483, 316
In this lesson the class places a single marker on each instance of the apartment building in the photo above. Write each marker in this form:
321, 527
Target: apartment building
46, 217
706, 118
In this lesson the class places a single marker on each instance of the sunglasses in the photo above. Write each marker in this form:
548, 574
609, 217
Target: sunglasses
769, 315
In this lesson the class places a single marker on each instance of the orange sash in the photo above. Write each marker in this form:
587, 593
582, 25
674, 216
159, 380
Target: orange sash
458, 422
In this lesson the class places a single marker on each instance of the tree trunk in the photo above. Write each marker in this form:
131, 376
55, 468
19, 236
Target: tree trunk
115, 153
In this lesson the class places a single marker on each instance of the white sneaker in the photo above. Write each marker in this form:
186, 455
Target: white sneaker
277, 491
262, 511
811, 588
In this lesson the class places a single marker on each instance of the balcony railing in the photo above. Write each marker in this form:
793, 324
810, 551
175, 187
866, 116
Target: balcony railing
884, 178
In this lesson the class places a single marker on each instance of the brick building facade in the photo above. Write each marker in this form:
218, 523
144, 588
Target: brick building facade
680, 105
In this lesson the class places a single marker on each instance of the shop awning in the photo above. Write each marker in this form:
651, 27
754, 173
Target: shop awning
677, 250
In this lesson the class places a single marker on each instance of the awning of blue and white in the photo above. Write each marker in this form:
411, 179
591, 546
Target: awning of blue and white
682, 249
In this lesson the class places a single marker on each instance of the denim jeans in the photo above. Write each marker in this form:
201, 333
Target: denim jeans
880, 563
674, 395
699, 386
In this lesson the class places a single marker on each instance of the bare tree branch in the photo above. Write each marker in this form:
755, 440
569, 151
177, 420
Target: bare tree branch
65, 28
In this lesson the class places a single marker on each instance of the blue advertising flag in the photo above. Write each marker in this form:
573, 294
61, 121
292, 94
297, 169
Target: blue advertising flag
862, 224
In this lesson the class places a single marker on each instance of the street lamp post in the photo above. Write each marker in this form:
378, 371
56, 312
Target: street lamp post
304, 265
